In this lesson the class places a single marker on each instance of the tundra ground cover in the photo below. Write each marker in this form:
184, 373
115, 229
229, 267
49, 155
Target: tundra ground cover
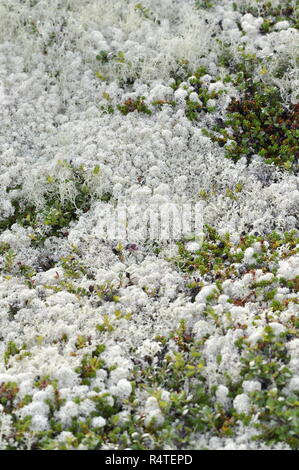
142, 344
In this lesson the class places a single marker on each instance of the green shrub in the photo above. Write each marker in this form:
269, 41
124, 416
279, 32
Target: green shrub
131, 105
57, 213
272, 12
259, 123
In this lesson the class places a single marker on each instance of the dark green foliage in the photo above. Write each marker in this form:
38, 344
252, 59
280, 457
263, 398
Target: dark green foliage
57, 214
258, 122
131, 105
272, 13
8, 393
205, 4
22, 215
104, 57
267, 362
90, 363
261, 125
215, 256
194, 108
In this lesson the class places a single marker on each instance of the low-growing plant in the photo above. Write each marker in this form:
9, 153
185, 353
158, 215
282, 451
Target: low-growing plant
194, 108
8, 393
267, 362
271, 12
57, 212
104, 57
131, 105
258, 123
13, 350
146, 12
205, 4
